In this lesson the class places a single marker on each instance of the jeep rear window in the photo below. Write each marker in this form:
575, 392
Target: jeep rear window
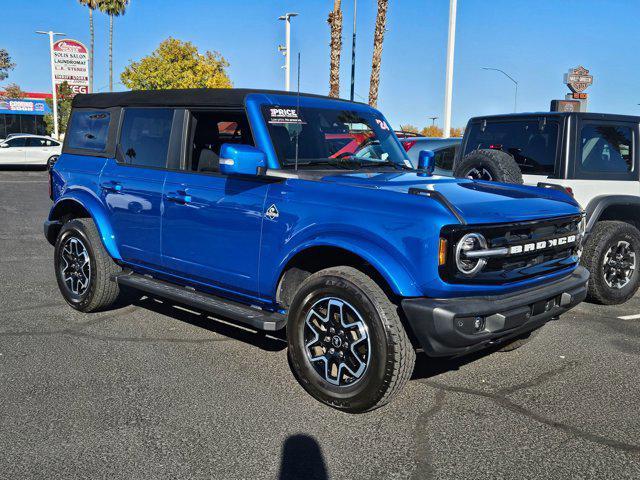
531, 143
88, 130
328, 136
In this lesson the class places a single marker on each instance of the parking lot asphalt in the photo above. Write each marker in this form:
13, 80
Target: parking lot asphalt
151, 390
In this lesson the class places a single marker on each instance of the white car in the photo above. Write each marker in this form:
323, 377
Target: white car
29, 150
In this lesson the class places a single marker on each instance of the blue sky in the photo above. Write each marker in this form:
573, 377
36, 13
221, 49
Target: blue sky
535, 41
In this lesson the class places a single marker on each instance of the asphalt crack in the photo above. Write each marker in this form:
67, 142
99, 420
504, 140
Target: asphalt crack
424, 469
500, 398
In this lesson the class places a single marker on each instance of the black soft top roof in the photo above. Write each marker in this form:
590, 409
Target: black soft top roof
194, 97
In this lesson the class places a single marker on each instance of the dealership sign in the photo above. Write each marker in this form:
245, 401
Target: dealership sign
578, 79
24, 106
71, 65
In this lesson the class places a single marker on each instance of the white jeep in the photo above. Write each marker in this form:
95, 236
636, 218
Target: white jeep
592, 156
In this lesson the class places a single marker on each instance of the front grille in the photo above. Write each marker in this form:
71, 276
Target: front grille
516, 266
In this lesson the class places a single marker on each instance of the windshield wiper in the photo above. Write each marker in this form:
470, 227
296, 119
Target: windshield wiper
386, 163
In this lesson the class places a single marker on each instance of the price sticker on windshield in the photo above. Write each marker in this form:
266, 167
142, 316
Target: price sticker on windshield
284, 115
382, 124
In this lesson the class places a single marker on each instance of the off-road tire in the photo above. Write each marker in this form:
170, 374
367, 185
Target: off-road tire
500, 165
102, 292
605, 234
392, 356
51, 161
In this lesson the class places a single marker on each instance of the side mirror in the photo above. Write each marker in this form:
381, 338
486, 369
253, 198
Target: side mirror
426, 161
4, 145
238, 159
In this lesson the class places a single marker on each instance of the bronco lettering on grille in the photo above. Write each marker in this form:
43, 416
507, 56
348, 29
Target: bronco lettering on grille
542, 244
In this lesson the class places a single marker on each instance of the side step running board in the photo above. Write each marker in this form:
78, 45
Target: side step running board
260, 319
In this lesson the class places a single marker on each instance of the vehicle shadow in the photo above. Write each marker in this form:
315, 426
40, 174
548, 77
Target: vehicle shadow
427, 367
22, 168
268, 341
302, 459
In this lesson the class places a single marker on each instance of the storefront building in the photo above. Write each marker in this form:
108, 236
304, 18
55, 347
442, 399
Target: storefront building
24, 115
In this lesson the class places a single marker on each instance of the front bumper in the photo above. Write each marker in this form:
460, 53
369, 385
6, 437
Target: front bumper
447, 327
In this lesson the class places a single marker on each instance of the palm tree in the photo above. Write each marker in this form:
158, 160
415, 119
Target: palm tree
378, 38
92, 4
113, 8
335, 22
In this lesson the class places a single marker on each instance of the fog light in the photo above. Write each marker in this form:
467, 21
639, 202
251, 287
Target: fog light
478, 324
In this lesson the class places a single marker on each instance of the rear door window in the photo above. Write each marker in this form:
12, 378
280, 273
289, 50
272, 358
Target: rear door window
144, 137
606, 148
88, 130
532, 143
40, 142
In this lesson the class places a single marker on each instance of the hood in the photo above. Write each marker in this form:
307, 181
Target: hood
476, 201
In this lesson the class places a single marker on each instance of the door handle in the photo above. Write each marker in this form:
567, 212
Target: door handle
111, 186
178, 197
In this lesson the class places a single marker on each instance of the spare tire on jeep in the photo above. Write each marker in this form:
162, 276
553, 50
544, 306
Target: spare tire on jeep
492, 165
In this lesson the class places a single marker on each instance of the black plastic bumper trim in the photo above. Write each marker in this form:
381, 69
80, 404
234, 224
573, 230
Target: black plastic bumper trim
51, 229
440, 324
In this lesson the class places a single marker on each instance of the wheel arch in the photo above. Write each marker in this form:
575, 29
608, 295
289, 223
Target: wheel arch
310, 258
613, 207
81, 205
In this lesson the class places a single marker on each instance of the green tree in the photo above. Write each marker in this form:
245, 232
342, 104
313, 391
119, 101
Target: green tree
65, 95
92, 5
113, 8
335, 22
12, 90
6, 65
456, 132
431, 131
177, 64
409, 128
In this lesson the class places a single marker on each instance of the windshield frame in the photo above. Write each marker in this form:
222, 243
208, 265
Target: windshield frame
256, 102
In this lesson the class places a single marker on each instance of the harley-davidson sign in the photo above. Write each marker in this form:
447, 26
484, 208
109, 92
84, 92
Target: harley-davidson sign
578, 79
71, 65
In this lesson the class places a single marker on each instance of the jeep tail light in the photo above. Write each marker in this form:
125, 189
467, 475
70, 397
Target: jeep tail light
407, 145
569, 191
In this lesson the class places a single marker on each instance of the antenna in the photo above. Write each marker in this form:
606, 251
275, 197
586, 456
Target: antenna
298, 114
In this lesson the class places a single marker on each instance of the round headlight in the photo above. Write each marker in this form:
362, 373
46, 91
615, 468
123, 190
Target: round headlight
467, 265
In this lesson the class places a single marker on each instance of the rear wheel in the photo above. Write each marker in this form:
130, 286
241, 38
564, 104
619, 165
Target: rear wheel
84, 268
611, 256
490, 165
347, 345
51, 161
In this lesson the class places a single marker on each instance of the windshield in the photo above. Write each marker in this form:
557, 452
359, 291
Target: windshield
340, 138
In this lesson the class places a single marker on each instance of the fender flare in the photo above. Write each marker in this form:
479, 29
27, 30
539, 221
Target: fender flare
97, 212
390, 269
599, 204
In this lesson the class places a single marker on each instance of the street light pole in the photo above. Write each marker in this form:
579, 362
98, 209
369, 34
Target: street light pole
353, 52
287, 48
448, 89
53, 82
515, 82
433, 120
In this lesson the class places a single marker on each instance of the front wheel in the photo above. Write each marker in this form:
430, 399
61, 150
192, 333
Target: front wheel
611, 256
347, 345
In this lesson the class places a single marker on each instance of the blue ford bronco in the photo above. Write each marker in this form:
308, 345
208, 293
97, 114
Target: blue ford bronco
281, 210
